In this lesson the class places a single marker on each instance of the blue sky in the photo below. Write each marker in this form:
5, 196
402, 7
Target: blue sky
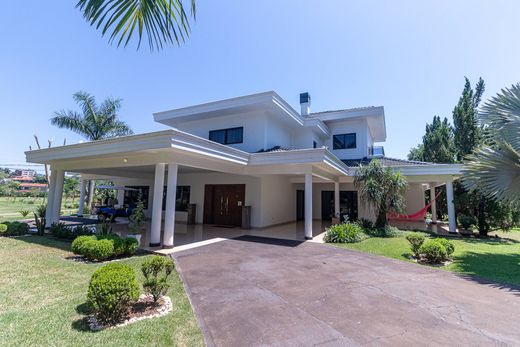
409, 56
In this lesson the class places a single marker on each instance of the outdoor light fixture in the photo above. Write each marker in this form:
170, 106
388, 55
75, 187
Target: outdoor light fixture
125, 160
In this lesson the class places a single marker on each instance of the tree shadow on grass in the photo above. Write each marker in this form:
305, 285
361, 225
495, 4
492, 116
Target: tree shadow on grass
492, 269
47, 241
82, 323
489, 240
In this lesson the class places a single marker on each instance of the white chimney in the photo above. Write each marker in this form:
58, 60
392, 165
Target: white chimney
305, 103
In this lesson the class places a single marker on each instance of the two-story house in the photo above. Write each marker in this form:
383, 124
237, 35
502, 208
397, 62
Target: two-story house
251, 159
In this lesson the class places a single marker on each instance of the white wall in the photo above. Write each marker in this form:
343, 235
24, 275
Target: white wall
414, 198
304, 138
358, 126
278, 200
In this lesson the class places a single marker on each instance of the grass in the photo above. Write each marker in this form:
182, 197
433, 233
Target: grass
42, 301
493, 260
10, 207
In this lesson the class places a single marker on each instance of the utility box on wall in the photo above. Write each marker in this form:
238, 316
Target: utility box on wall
246, 217
192, 211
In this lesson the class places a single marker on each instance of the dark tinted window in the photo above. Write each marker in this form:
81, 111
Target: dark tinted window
227, 136
131, 196
182, 198
344, 141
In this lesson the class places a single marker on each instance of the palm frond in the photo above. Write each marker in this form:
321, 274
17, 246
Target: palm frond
87, 103
72, 121
162, 21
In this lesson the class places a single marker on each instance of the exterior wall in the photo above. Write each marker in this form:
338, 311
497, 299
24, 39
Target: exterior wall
304, 139
278, 200
414, 198
358, 126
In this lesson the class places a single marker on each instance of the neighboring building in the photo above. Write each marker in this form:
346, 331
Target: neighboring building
255, 151
25, 173
23, 178
32, 187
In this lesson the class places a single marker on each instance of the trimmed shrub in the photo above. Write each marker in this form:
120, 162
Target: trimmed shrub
156, 284
16, 228
111, 291
450, 248
416, 240
77, 246
98, 249
118, 242
3, 229
344, 233
466, 222
433, 251
366, 223
131, 246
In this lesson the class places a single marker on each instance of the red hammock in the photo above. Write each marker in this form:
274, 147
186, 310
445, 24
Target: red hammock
417, 216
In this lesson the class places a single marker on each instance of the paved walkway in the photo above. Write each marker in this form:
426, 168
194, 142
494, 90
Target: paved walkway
301, 294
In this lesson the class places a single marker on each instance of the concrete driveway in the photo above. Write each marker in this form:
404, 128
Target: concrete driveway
250, 293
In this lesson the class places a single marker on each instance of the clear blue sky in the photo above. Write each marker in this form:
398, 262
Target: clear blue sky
411, 57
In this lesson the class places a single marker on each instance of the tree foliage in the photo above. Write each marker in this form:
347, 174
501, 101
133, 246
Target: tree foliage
162, 22
95, 122
381, 188
437, 143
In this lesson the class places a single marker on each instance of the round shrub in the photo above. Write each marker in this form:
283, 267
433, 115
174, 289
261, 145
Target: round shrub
118, 242
3, 229
450, 248
98, 249
434, 251
78, 245
416, 240
466, 221
16, 228
111, 291
344, 233
131, 246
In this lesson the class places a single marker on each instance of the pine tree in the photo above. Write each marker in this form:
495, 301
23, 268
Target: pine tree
438, 142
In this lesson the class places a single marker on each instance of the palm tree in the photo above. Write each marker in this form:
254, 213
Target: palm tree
495, 168
96, 122
163, 21
381, 188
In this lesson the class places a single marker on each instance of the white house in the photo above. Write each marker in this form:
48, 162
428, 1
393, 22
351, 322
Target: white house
254, 150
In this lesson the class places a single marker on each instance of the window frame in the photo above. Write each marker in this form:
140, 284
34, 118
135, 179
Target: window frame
343, 141
226, 131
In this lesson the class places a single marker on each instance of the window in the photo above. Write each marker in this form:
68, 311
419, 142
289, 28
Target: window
344, 141
132, 196
182, 198
227, 136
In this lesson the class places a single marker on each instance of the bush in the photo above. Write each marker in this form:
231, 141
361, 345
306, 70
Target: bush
155, 283
16, 228
434, 251
111, 291
344, 233
98, 249
60, 230
78, 245
466, 222
450, 248
366, 223
3, 229
416, 240
131, 246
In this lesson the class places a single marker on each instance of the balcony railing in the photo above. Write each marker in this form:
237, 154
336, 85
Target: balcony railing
376, 151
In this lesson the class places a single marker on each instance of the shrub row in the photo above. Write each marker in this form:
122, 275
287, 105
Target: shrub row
13, 228
351, 232
434, 251
105, 247
62, 231
114, 287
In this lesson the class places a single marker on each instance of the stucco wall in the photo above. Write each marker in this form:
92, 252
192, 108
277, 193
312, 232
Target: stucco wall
358, 126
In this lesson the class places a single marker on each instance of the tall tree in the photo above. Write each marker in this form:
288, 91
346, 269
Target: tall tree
163, 22
95, 122
417, 153
495, 167
381, 188
466, 130
438, 142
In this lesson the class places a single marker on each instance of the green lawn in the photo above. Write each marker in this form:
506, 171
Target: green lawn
42, 301
495, 260
10, 207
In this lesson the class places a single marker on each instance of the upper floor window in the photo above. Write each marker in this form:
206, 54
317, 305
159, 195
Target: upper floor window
227, 136
344, 141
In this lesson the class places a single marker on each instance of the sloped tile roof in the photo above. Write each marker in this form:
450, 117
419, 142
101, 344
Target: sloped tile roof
385, 161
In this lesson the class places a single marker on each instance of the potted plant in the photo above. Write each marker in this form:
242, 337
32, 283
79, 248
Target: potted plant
136, 221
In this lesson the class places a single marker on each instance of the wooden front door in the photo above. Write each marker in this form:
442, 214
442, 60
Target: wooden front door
223, 204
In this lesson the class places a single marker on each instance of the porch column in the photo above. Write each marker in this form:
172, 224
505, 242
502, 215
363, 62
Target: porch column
120, 197
91, 188
308, 206
336, 200
434, 202
169, 216
158, 188
451, 206
81, 206
57, 196
50, 198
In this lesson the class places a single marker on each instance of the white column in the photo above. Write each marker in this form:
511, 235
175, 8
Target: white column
50, 198
434, 202
81, 206
158, 188
336, 200
169, 216
451, 206
57, 196
308, 206
121, 197
91, 191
